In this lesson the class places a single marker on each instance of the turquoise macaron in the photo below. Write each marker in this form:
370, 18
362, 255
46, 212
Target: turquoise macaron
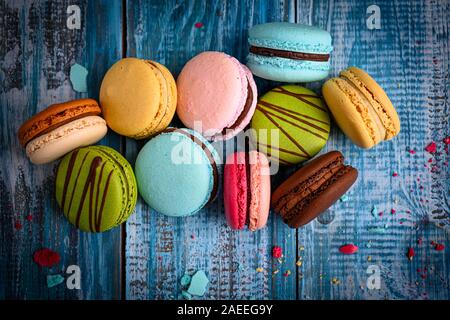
177, 172
289, 52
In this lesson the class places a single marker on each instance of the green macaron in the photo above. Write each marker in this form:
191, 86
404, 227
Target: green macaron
96, 188
291, 124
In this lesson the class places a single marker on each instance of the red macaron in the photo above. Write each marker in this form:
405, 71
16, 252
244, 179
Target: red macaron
246, 190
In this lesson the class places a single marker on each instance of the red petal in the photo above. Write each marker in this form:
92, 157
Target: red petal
348, 249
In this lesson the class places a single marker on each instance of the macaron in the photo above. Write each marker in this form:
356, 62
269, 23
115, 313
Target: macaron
246, 190
138, 97
313, 189
289, 52
177, 172
361, 108
96, 188
291, 124
216, 95
60, 128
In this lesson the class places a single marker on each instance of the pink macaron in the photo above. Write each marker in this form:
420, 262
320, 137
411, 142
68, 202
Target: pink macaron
216, 95
246, 190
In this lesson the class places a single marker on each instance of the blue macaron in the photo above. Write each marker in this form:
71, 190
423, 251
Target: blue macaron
177, 172
289, 52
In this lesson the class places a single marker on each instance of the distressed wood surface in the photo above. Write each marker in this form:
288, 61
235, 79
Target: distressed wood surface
36, 52
409, 56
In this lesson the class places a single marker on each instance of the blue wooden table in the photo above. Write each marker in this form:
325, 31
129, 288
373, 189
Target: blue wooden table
408, 54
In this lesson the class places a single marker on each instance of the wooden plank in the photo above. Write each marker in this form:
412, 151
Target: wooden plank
159, 250
35, 57
409, 57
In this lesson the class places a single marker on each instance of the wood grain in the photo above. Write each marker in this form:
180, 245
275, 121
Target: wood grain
144, 259
36, 54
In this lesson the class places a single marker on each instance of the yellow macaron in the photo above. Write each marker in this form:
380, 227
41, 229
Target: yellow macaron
138, 97
361, 108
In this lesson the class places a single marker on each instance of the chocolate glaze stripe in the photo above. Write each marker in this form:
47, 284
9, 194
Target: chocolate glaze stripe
301, 97
102, 206
94, 212
299, 146
280, 149
262, 104
293, 124
276, 107
270, 52
75, 183
208, 155
70, 166
124, 183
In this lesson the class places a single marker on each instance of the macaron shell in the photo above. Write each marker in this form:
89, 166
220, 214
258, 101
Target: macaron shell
350, 113
167, 109
54, 116
53, 145
290, 37
130, 97
235, 190
260, 190
93, 190
244, 118
210, 98
287, 70
174, 174
325, 199
299, 117
374, 92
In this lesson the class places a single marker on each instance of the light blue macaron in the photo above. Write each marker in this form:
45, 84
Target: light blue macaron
177, 172
287, 49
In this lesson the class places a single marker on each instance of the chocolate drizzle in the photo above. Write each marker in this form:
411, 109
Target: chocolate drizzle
95, 212
269, 52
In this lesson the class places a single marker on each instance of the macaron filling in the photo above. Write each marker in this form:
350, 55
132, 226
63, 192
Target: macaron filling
245, 110
270, 52
303, 193
58, 115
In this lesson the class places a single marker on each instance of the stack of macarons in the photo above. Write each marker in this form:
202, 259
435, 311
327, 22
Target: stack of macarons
178, 171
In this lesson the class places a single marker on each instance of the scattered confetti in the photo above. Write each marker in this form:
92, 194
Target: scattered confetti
78, 77
185, 280
29, 217
46, 257
348, 249
395, 174
419, 241
446, 140
54, 280
192, 236
198, 284
380, 213
439, 247
431, 147
411, 151
259, 269
299, 263
301, 248
410, 254
369, 258
198, 25
335, 281
17, 225
277, 252
344, 198
287, 273
275, 271
393, 211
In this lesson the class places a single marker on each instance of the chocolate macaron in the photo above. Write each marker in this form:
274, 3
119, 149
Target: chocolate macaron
313, 189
